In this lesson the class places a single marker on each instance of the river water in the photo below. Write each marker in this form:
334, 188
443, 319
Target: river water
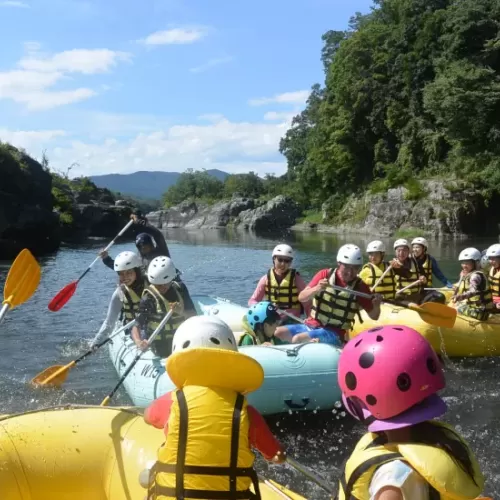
226, 264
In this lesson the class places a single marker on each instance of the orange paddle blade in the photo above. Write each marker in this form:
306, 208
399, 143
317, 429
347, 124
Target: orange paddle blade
53, 375
22, 280
62, 297
436, 314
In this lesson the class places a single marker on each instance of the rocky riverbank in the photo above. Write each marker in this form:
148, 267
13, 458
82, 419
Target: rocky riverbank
40, 209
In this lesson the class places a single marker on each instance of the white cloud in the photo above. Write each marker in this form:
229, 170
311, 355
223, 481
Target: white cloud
33, 84
275, 115
34, 141
298, 97
211, 63
14, 3
176, 36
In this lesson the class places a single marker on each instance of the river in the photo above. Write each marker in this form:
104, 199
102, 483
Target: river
226, 264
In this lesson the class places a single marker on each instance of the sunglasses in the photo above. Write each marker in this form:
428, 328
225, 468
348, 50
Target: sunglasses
283, 261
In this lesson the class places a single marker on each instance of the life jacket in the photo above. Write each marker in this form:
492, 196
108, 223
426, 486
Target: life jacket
284, 294
481, 300
387, 287
412, 277
207, 452
336, 308
130, 303
162, 307
494, 279
446, 479
252, 335
427, 267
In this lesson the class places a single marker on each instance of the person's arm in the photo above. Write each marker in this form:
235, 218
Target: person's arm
146, 307
246, 339
436, 271
189, 308
317, 284
475, 282
158, 412
371, 306
107, 260
259, 293
114, 309
261, 437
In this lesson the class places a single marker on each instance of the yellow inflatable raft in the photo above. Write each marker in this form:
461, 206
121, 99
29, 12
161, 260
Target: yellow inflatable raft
468, 338
83, 452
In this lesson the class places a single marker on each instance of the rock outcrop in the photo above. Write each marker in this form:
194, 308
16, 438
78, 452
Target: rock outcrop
278, 213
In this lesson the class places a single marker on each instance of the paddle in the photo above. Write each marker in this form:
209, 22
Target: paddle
164, 321
67, 292
290, 315
411, 285
56, 375
311, 475
21, 283
431, 312
377, 283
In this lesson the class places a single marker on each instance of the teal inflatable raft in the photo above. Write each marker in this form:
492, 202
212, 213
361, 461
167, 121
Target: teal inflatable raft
296, 377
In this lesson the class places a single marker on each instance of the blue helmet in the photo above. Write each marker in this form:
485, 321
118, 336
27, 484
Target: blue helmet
258, 313
144, 239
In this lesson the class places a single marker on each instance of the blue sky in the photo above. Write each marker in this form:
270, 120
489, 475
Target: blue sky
120, 86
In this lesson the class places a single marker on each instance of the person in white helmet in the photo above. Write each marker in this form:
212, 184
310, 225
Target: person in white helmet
408, 272
493, 256
375, 269
333, 312
282, 284
420, 248
473, 294
125, 299
208, 424
155, 303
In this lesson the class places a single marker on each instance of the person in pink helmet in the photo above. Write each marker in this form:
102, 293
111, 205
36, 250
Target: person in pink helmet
390, 377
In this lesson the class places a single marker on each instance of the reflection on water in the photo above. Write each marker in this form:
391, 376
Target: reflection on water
226, 263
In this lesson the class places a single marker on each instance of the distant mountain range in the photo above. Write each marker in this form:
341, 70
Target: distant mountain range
144, 184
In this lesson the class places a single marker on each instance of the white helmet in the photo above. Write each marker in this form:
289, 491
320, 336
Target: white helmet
283, 251
375, 246
161, 271
203, 331
127, 260
493, 251
350, 254
470, 254
401, 243
485, 262
420, 241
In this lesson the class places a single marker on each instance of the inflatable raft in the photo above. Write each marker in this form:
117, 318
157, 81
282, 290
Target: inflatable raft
296, 377
468, 338
83, 453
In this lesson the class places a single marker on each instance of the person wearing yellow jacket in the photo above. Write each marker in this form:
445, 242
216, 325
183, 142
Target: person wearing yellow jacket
209, 426
390, 377
493, 256
374, 272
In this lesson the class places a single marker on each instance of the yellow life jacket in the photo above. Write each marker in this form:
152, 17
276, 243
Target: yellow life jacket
494, 278
427, 266
444, 476
130, 304
387, 287
162, 307
207, 452
335, 308
412, 277
482, 300
285, 294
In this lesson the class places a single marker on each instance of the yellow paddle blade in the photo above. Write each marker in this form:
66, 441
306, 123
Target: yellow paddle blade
436, 314
53, 375
22, 280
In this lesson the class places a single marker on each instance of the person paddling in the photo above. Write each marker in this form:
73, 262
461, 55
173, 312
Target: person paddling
333, 312
493, 256
156, 300
282, 284
390, 378
125, 300
377, 272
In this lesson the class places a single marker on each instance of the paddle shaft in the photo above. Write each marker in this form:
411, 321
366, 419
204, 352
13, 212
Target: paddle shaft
151, 339
3, 311
310, 475
111, 243
377, 283
290, 315
88, 353
411, 285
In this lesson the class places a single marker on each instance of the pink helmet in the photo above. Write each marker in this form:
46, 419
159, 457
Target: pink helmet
388, 370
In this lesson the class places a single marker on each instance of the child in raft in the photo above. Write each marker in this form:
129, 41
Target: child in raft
209, 427
260, 325
389, 377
